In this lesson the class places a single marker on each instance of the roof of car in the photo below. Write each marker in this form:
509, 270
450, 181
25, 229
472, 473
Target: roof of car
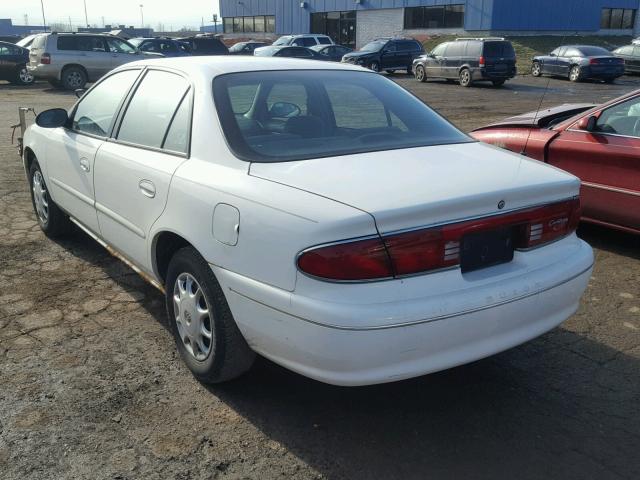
212, 66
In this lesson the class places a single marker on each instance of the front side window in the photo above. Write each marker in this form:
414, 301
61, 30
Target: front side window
97, 109
118, 46
271, 117
439, 50
621, 119
152, 108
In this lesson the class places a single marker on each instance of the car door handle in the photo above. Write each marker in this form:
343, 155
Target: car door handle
147, 188
84, 164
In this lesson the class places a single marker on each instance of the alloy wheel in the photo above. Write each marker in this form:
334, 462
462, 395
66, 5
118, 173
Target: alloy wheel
74, 79
193, 316
25, 76
40, 197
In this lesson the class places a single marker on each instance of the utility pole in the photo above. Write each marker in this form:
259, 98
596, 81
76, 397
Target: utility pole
44, 20
86, 18
26, 19
141, 16
70, 26
103, 24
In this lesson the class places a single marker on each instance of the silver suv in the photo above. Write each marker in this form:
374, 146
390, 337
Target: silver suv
70, 60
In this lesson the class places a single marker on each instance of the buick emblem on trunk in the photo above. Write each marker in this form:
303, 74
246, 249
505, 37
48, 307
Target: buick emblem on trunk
500, 204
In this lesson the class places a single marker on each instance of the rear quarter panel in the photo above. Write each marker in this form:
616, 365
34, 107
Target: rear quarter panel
532, 142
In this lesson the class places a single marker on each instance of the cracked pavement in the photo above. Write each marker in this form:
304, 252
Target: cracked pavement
91, 386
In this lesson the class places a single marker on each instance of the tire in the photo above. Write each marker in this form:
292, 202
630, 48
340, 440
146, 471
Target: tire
23, 76
465, 77
536, 69
52, 220
73, 78
224, 354
498, 83
421, 74
575, 75
375, 66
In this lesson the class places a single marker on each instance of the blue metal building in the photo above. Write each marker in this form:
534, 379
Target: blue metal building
7, 28
356, 21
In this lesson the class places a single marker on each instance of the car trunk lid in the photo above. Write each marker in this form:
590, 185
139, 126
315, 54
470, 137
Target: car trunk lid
415, 187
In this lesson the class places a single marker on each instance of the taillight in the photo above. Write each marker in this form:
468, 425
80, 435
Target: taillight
435, 248
481, 61
45, 58
359, 260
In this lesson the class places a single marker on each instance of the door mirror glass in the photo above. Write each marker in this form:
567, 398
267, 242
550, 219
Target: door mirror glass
588, 123
54, 118
284, 110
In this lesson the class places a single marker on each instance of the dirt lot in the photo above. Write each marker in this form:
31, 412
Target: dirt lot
91, 386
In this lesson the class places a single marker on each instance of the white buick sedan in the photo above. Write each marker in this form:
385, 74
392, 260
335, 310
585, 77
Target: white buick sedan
319, 215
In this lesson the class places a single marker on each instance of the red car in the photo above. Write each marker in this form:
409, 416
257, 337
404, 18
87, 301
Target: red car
598, 144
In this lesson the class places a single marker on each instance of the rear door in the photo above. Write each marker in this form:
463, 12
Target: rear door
133, 172
71, 151
607, 161
388, 56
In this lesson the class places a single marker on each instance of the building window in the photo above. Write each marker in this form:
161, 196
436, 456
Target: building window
446, 16
617, 18
340, 26
259, 23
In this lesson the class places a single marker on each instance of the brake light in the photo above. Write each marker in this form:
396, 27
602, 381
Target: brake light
481, 61
431, 249
45, 59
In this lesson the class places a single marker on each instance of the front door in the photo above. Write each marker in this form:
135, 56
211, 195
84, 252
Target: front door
71, 151
607, 161
121, 52
388, 57
133, 173
434, 64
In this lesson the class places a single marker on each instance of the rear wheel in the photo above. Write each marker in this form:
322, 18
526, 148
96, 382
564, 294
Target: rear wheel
205, 332
375, 66
498, 83
421, 74
536, 69
575, 74
23, 76
73, 78
53, 221
465, 77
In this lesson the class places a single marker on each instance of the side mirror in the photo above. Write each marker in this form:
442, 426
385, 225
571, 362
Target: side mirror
284, 110
54, 118
80, 92
587, 124
552, 55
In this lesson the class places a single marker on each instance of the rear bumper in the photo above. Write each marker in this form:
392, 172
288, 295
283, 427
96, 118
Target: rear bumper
385, 342
603, 72
483, 74
44, 72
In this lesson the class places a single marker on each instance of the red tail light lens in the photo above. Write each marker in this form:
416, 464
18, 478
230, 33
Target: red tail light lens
359, 260
435, 248
45, 59
481, 61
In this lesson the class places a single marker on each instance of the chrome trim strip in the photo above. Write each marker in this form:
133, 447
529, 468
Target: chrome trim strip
600, 133
420, 321
611, 189
121, 220
73, 191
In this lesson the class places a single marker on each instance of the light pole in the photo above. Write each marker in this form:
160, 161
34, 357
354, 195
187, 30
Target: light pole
141, 16
86, 18
44, 20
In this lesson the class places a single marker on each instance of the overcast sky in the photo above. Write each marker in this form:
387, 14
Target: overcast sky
175, 13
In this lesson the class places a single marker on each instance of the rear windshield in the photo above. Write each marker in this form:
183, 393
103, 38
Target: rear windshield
498, 49
278, 116
593, 51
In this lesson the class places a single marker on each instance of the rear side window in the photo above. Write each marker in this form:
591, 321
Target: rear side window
304, 42
474, 49
324, 41
498, 49
152, 109
177, 139
67, 43
97, 109
455, 49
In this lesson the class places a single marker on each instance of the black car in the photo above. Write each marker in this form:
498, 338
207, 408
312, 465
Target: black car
579, 62
286, 51
205, 45
333, 53
389, 54
13, 64
631, 56
246, 48
166, 46
469, 60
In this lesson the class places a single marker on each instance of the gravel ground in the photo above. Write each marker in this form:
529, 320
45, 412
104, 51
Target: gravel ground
91, 386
